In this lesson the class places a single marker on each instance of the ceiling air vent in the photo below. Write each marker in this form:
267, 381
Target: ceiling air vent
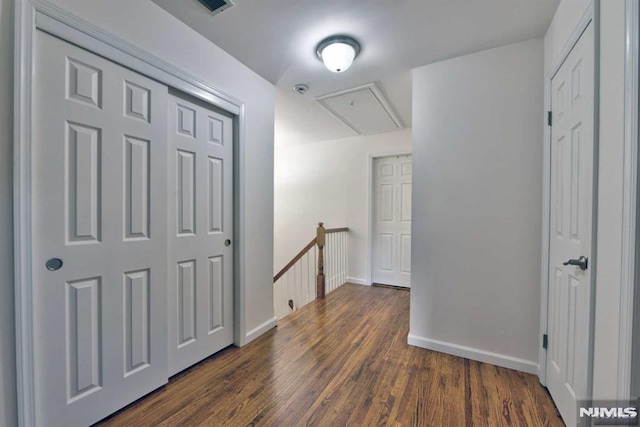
216, 6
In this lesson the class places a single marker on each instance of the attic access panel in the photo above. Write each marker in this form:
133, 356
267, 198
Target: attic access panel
216, 6
363, 109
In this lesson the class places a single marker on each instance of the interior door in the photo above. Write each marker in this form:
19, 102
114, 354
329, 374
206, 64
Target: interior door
200, 230
99, 203
571, 206
392, 220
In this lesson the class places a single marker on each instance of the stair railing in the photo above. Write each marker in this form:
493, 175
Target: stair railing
324, 258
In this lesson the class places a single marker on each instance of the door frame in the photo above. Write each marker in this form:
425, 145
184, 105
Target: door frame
630, 263
589, 16
34, 15
371, 207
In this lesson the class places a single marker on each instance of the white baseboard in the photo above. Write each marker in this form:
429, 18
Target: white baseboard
540, 376
357, 281
474, 354
266, 326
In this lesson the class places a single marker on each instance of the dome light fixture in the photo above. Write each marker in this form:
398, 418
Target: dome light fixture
338, 52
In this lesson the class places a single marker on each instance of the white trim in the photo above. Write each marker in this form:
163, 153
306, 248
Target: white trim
585, 20
357, 281
370, 207
256, 332
546, 227
34, 15
240, 233
497, 359
594, 202
25, 364
629, 199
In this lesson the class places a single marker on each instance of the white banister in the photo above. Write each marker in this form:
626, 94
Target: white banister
336, 259
296, 285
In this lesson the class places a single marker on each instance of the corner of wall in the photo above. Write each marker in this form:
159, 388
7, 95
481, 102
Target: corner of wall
260, 330
478, 355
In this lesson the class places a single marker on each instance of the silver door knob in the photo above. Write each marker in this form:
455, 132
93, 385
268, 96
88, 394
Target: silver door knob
227, 242
582, 262
54, 264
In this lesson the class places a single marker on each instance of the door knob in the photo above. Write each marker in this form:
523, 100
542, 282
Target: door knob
227, 242
582, 262
54, 264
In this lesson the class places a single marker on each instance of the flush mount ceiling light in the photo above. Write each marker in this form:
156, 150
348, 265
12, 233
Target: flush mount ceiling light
338, 52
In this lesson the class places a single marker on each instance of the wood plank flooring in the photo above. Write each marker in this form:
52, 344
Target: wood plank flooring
338, 362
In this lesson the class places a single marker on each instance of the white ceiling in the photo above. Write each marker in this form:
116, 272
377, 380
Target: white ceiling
278, 38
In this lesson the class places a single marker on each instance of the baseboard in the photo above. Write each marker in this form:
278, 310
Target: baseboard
357, 281
266, 326
474, 354
539, 373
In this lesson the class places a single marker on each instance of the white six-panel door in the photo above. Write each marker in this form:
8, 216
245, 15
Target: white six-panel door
392, 220
100, 286
200, 230
571, 197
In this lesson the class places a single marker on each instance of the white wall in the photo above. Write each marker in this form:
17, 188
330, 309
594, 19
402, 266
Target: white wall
477, 195
7, 348
144, 24
327, 181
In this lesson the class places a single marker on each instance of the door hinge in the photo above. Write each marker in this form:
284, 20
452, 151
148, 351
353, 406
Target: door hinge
549, 118
545, 341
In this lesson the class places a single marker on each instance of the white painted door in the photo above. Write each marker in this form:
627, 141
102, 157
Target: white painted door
200, 230
392, 220
99, 179
571, 196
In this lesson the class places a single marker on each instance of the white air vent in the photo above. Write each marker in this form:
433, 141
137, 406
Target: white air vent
216, 6
363, 109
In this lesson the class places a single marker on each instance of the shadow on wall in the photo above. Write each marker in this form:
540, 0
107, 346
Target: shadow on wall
7, 337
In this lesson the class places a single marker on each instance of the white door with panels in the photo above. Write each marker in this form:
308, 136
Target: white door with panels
572, 145
200, 229
99, 233
392, 220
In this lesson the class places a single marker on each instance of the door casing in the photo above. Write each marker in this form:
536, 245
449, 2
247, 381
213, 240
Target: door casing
629, 352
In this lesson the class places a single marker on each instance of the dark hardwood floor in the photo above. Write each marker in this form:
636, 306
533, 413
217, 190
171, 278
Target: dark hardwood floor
338, 362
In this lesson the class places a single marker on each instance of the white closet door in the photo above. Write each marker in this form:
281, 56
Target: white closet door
200, 231
99, 179
392, 220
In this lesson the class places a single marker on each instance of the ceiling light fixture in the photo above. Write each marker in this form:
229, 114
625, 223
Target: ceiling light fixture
338, 52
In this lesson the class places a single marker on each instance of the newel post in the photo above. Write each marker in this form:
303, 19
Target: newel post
320, 243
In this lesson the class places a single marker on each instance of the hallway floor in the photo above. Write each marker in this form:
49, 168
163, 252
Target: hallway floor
343, 361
